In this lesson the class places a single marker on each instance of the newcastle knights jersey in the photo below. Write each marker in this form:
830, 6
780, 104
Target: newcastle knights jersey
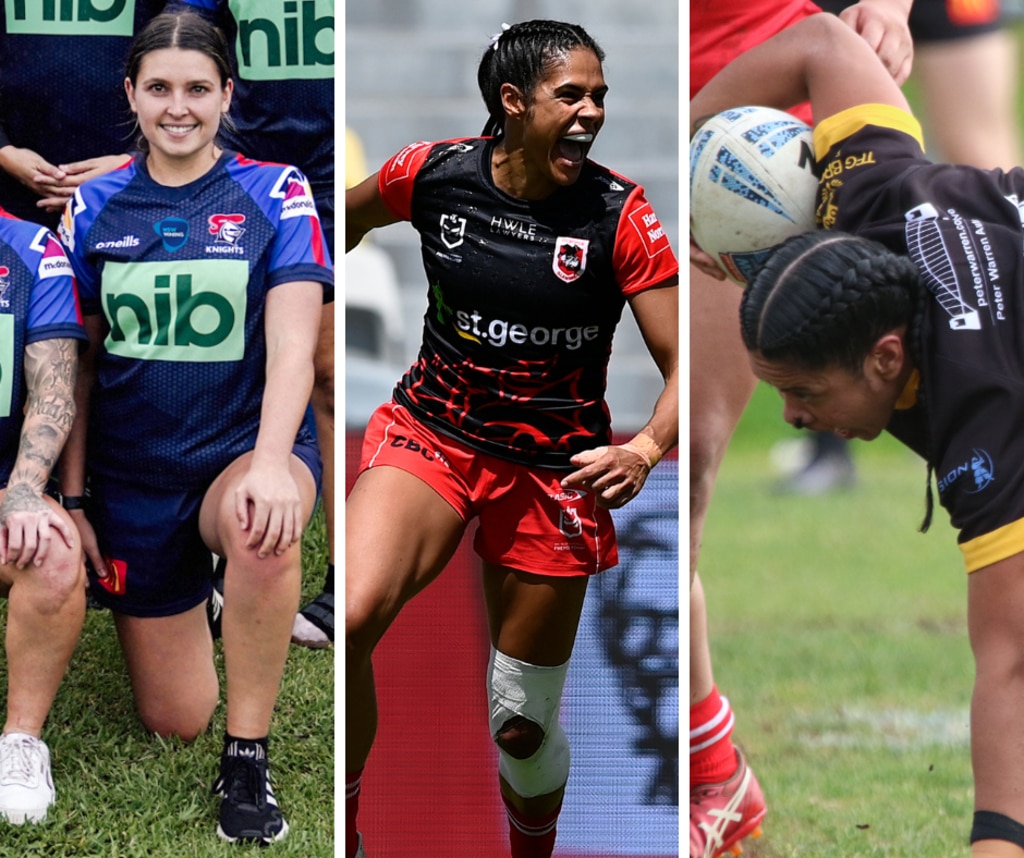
962, 227
523, 298
181, 276
37, 302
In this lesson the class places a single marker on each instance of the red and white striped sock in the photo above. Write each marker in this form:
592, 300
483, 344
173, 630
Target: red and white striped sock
712, 753
353, 783
531, 837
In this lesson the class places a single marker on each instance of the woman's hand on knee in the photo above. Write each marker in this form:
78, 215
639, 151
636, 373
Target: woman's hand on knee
268, 505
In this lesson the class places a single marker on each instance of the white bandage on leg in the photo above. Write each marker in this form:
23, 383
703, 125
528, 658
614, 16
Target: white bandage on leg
533, 692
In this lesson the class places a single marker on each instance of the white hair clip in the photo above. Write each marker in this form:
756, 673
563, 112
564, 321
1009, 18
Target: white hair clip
497, 36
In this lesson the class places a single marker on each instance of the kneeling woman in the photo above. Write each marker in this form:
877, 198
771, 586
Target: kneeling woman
202, 276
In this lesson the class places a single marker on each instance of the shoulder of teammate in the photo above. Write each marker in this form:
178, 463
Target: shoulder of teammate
54, 309
642, 255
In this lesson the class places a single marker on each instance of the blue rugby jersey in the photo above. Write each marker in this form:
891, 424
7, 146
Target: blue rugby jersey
181, 276
37, 302
62, 74
283, 108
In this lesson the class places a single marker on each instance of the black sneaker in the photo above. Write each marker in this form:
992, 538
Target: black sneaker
248, 809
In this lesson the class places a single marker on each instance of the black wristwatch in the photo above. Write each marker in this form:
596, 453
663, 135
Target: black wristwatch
70, 502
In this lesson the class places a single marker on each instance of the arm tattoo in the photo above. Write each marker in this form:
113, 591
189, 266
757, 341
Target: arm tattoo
50, 367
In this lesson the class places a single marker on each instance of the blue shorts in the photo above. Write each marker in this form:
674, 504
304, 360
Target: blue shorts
158, 563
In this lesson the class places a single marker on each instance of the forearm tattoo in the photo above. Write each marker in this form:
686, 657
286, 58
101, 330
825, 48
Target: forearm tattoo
50, 367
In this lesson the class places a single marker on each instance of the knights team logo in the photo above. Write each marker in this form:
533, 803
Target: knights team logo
570, 258
5, 286
453, 230
226, 227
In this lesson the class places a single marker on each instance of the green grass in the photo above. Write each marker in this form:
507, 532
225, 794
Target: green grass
123, 792
838, 633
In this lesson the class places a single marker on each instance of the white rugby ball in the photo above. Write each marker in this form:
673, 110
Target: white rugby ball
752, 185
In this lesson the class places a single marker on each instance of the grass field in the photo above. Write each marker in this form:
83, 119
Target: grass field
838, 633
123, 792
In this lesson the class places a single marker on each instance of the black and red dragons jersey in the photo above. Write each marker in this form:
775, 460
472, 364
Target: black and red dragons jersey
523, 299
962, 227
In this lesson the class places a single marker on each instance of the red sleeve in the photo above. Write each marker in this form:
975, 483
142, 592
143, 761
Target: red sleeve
396, 178
643, 256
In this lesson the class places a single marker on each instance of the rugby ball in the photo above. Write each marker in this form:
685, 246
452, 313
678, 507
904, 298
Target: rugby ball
752, 185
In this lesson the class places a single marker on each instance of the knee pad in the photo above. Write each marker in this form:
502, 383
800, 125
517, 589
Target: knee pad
520, 690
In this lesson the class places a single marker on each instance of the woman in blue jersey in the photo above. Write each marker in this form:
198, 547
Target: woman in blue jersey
202, 276
903, 315
531, 252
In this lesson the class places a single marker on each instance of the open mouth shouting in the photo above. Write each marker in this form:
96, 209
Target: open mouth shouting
573, 148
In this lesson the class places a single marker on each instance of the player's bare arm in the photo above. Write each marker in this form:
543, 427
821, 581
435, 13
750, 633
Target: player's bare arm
365, 209
819, 59
25, 517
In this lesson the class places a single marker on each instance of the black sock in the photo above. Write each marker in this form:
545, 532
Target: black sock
233, 743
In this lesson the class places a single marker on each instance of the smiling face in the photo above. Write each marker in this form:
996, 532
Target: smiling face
834, 399
179, 99
553, 130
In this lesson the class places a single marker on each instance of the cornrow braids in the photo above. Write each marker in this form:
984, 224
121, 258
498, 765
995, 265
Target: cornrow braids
523, 54
824, 298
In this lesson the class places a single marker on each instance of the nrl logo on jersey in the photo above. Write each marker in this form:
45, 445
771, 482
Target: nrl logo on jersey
570, 259
453, 230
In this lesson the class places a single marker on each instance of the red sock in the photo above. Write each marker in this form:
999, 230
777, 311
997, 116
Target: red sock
353, 782
712, 753
530, 838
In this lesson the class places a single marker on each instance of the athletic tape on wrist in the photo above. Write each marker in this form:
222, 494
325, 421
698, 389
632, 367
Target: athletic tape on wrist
646, 448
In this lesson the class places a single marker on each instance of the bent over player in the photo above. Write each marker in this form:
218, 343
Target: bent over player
41, 569
903, 315
531, 251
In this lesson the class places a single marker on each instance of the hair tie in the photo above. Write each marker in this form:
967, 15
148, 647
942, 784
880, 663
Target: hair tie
497, 36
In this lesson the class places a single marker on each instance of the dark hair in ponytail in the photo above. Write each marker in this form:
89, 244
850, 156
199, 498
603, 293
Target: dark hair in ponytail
522, 55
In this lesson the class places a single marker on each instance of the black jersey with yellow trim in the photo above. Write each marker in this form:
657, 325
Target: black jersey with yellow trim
524, 297
962, 227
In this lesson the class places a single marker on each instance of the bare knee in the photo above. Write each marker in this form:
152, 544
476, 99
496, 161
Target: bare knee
520, 737
60, 580
185, 723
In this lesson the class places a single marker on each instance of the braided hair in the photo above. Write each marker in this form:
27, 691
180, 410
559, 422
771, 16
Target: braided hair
824, 298
522, 55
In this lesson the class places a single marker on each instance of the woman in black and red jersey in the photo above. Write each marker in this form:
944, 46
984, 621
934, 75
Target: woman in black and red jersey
531, 252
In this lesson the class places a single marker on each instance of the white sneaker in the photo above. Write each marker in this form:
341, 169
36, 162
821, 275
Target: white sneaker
26, 785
